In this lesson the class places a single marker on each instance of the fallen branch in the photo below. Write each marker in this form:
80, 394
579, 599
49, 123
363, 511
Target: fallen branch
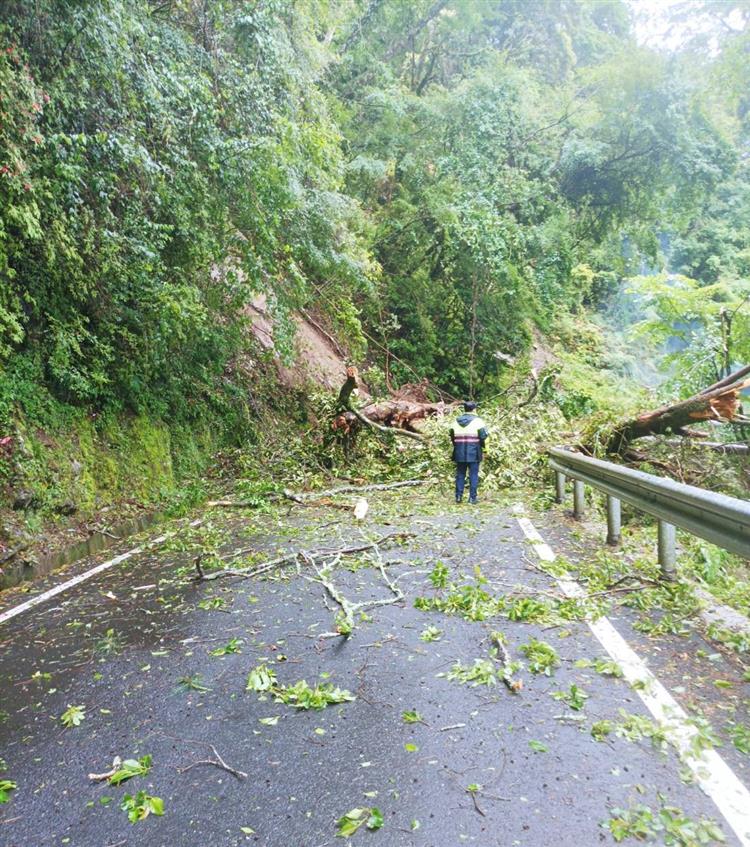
297, 556
513, 685
350, 489
351, 609
396, 416
198, 566
533, 392
14, 551
310, 496
241, 504
728, 380
729, 448
336, 346
218, 762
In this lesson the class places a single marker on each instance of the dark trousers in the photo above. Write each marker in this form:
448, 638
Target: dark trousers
473, 469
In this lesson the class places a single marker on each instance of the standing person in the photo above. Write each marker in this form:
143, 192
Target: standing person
468, 434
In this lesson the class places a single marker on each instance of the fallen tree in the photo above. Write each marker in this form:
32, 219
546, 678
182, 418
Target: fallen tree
719, 402
400, 414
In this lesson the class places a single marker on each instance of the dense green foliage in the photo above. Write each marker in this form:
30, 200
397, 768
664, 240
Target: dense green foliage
437, 179
163, 162
453, 171
504, 150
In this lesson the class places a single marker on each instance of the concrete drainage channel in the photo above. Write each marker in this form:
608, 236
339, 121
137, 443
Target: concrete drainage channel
20, 569
718, 614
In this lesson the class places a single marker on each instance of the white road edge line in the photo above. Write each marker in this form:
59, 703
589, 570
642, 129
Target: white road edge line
76, 580
712, 773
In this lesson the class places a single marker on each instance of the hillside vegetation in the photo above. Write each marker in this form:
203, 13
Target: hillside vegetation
441, 183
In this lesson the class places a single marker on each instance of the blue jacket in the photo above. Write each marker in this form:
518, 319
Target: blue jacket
468, 434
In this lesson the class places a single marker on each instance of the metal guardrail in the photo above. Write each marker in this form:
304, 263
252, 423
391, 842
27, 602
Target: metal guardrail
722, 520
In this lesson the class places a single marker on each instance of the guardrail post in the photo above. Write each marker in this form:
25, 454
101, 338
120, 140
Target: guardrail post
578, 500
667, 549
715, 517
559, 487
614, 520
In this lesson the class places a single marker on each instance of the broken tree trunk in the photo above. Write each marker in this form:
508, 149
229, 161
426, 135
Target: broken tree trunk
719, 402
347, 388
398, 415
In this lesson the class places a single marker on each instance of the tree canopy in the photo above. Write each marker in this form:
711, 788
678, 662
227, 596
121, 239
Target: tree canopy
438, 177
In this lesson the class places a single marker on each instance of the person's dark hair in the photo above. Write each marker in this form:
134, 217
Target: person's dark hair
469, 405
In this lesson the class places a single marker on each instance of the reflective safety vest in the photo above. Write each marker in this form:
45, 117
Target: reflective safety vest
468, 434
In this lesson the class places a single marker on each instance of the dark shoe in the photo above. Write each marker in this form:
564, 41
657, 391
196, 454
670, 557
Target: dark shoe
473, 500
459, 499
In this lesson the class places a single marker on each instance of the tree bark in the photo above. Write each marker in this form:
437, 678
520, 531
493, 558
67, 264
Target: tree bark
719, 402
399, 415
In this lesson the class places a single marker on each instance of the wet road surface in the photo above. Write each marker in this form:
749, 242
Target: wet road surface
159, 664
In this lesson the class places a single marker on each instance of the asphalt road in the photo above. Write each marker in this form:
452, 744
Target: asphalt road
482, 766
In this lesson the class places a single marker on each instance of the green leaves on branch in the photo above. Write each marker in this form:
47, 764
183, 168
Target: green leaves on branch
141, 806
130, 768
73, 716
6, 786
542, 657
300, 695
370, 818
574, 697
261, 678
669, 825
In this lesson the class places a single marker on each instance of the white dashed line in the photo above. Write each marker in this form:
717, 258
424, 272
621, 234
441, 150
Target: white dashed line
76, 580
711, 772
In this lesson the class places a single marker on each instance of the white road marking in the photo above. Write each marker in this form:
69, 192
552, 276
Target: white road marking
76, 580
712, 773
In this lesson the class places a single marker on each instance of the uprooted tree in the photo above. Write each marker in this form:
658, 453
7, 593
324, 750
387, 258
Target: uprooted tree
719, 402
399, 414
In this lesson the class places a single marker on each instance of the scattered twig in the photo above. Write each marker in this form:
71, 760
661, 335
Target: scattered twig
350, 609
613, 591
218, 762
536, 567
473, 795
497, 797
